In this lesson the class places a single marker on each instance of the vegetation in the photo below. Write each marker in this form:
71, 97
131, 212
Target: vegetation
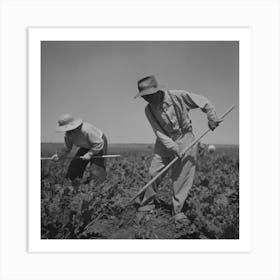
83, 211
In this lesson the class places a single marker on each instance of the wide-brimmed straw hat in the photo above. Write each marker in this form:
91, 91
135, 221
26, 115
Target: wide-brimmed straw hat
67, 122
148, 85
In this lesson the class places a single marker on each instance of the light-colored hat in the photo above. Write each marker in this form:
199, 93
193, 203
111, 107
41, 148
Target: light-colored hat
148, 85
67, 122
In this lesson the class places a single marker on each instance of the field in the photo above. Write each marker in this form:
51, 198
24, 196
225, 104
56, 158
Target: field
78, 211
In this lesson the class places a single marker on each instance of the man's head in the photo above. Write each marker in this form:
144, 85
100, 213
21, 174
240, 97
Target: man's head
148, 89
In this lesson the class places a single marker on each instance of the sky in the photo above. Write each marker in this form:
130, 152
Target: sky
97, 81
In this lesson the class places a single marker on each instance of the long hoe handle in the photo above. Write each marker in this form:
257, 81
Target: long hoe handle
176, 158
104, 156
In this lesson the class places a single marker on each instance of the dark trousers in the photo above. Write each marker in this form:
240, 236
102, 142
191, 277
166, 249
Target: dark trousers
77, 166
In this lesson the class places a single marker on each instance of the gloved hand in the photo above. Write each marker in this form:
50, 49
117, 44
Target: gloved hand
55, 157
86, 157
212, 124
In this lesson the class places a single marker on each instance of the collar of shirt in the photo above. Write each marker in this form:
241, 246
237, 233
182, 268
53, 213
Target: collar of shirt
165, 103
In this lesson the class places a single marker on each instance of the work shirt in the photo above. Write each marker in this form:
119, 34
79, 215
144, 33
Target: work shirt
88, 136
170, 118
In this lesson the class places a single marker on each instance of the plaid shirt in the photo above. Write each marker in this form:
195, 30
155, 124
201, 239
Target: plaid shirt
170, 119
89, 137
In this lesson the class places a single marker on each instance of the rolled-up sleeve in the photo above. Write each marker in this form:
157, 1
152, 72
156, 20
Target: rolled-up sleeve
193, 101
164, 139
96, 143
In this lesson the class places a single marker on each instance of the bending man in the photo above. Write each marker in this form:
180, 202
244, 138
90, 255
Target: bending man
90, 140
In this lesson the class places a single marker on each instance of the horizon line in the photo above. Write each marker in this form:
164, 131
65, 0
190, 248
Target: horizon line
144, 143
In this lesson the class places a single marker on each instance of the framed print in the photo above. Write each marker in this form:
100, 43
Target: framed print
87, 59
93, 74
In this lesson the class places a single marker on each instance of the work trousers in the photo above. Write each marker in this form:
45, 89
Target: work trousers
182, 171
77, 166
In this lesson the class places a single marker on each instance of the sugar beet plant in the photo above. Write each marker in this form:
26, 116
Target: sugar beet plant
71, 210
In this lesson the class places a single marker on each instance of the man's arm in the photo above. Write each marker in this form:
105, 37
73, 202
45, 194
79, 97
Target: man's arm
164, 139
96, 143
193, 101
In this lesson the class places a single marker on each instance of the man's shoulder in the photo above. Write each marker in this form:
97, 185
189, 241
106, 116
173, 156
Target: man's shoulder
177, 95
88, 127
177, 92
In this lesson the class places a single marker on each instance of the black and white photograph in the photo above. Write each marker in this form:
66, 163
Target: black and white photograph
139, 139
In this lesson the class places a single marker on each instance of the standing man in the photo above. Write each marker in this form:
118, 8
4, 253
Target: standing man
91, 142
168, 114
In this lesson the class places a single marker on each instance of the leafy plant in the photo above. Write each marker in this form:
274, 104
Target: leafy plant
78, 211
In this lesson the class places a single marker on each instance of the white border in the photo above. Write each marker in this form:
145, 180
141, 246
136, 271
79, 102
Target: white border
243, 35
16, 262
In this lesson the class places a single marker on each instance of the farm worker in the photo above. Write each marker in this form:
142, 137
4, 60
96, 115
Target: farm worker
91, 142
168, 114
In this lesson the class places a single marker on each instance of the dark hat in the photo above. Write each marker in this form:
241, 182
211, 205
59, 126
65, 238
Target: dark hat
148, 85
